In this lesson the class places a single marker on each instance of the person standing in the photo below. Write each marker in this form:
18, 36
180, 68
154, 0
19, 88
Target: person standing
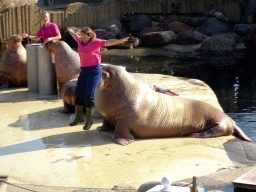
91, 72
49, 31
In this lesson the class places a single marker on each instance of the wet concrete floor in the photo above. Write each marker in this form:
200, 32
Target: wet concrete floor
37, 146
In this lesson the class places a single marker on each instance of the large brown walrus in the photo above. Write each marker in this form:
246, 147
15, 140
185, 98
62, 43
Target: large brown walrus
135, 110
67, 61
13, 66
69, 88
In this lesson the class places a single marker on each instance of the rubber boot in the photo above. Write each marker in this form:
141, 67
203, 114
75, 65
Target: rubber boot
89, 114
79, 115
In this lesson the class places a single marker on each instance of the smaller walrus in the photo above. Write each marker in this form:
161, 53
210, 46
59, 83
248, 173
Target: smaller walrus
135, 110
68, 94
69, 88
13, 66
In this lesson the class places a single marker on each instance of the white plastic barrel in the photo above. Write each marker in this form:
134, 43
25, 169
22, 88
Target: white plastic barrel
32, 67
46, 72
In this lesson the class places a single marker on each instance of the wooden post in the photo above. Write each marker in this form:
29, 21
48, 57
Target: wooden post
194, 187
4, 25
1, 28
11, 23
19, 21
26, 19
23, 19
30, 23
7, 24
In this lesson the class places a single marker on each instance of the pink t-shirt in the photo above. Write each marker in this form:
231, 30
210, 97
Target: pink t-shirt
51, 31
90, 53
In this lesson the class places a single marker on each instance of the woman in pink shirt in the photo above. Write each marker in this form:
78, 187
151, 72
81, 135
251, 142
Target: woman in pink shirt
49, 31
91, 72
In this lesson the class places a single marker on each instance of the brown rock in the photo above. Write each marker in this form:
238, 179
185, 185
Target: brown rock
178, 27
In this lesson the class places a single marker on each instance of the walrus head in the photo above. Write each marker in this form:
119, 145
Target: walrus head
105, 79
110, 73
14, 41
56, 46
68, 91
50, 45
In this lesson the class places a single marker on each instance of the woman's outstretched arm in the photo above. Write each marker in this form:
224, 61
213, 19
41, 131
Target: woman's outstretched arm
111, 42
72, 33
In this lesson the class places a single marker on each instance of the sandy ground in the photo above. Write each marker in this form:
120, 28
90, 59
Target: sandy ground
38, 147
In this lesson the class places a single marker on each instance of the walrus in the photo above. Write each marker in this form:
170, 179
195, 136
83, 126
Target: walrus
68, 94
69, 88
13, 66
135, 110
67, 61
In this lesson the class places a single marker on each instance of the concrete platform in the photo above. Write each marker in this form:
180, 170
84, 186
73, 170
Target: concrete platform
38, 147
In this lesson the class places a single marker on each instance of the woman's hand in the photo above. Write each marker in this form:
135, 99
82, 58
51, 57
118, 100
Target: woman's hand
24, 35
48, 39
70, 30
57, 37
125, 39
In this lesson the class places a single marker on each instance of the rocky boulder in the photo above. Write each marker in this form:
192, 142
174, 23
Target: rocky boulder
214, 26
150, 29
148, 185
178, 27
111, 25
163, 24
103, 34
139, 22
190, 37
123, 34
250, 12
195, 21
220, 43
244, 29
250, 41
159, 38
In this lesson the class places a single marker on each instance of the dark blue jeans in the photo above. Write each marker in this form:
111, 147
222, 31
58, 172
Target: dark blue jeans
87, 84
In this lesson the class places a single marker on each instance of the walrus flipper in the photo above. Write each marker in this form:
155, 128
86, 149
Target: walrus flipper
4, 79
122, 134
106, 126
215, 131
218, 131
122, 141
240, 134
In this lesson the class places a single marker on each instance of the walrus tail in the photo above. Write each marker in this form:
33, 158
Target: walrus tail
240, 134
